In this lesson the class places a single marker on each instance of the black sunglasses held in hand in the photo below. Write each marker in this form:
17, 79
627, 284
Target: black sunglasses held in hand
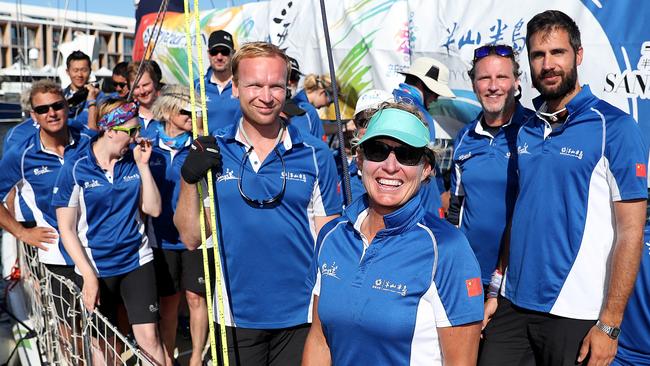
377, 151
499, 49
57, 106
220, 50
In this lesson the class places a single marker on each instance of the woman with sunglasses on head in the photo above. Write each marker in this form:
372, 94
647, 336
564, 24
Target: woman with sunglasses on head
176, 267
394, 285
100, 198
316, 93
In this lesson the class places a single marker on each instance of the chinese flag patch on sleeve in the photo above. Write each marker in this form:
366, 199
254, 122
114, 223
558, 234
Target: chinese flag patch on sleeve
474, 287
640, 170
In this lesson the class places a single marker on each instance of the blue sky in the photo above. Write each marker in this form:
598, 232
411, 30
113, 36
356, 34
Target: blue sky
117, 7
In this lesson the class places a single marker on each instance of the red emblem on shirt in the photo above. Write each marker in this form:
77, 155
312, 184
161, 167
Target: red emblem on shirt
441, 213
640, 170
474, 287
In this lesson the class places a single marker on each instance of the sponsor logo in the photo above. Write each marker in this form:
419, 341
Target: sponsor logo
153, 308
568, 151
228, 175
387, 285
42, 170
632, 83
92, 184
298, 177
465, 156
201, 280
521, 150
129, 178
329, 270
157, 162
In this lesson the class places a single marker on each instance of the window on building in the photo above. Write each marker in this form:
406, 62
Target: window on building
128, 47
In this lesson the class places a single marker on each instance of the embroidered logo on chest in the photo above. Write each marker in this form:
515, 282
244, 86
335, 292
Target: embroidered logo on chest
42, 170
329, 271
228, 175
575, 153
157, 162
298, 177
465, 156
522, 150
131, 177
92, 184
387, 285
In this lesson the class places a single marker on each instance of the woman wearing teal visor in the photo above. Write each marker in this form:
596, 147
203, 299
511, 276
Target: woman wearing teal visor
393, 285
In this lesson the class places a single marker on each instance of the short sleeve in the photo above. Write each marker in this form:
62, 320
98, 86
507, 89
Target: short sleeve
66, 190
316, 125
627, 156
457, 281
10, 166
326, 197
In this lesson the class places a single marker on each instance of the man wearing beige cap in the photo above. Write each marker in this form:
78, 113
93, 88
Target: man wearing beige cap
426, 80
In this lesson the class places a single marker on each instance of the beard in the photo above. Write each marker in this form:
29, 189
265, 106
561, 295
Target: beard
566, 86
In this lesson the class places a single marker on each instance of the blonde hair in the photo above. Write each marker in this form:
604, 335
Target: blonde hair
171, 100
109, 105
254, 50
314, 82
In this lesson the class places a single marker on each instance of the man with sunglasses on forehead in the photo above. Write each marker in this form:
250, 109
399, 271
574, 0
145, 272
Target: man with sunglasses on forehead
276, 187
223, 107
483, 177
32, 167
577, 226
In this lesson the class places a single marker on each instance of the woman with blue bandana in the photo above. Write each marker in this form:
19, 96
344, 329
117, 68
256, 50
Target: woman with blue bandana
176, 267
393, 284
100, 198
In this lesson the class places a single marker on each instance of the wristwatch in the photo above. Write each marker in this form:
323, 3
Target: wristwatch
612, 332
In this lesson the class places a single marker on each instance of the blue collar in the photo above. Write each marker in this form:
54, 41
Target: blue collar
301, 97
581, 101
396, 222
230, 134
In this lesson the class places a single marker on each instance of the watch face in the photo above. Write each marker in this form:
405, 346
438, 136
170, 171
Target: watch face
615, 332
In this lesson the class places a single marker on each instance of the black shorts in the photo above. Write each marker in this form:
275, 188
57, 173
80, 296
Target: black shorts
62, 293
136, 290
262, 347
517, 336
182, 269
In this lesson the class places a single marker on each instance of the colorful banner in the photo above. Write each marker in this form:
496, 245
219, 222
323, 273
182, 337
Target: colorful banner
375, 39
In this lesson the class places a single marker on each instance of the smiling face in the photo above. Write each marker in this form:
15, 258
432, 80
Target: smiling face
51, 121
145, 92
553, 64
495, 84
261, 88
389, 183
79, 73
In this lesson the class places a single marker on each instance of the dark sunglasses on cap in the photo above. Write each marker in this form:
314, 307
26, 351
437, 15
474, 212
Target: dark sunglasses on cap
377, 151
42, 109
499, 49
119, 84
132, 131
224, 51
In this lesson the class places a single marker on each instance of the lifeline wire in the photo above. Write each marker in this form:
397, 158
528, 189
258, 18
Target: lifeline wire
339, 126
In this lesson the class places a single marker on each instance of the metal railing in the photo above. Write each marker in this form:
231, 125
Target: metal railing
54, 328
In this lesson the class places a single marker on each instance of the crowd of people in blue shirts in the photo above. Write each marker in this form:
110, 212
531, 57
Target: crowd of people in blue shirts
532, 253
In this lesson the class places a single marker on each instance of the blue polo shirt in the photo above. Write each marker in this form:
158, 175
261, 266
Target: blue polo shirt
19, 133
165, 164
563, 227
32, 169
223, 107
267, 251
310, 122
484, 173
387, 297
634, 343
109, 223
148, 127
